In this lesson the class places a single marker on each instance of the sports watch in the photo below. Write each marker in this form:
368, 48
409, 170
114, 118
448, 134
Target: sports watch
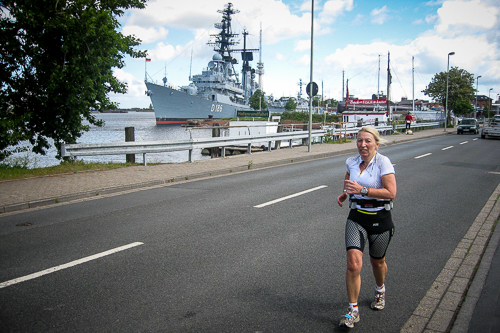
364, 191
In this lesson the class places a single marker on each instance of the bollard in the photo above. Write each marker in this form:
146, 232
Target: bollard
129, 136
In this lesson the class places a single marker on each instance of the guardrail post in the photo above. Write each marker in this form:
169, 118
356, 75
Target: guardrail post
215, 151
190, 158
305, 127
249, 149
129, 136
277, 144
144, 159
269, 148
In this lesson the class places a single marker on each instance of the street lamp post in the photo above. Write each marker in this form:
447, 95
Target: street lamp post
446, 105
477, 86
489, 98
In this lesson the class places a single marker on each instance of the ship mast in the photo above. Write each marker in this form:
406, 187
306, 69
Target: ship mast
223, 42
225, 39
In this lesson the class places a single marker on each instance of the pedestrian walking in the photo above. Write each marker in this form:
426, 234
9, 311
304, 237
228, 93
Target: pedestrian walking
370, 185
408, 120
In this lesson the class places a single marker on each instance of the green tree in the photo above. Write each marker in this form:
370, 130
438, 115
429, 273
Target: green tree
257, 101
462, 107
460, 87
290, 105
316, 100
56, 63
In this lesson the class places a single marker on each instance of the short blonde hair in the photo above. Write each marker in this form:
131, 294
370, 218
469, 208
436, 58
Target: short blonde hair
373, 131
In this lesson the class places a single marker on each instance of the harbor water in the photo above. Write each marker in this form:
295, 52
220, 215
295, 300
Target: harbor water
145, 129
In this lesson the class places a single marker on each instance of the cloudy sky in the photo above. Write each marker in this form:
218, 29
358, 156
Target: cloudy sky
350, 37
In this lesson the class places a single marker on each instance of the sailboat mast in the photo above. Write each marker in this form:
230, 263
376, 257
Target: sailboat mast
260, 65
378, 83
389, 114
413, 82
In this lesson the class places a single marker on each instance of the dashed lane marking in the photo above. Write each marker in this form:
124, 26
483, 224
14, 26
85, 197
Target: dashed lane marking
423, 155
69, 264
289, 196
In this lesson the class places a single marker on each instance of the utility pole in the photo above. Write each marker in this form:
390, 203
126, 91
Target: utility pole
311, 78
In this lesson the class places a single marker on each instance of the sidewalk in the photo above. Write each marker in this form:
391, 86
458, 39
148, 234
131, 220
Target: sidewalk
444, 305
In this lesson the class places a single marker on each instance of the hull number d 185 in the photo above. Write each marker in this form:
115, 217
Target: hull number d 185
216, 108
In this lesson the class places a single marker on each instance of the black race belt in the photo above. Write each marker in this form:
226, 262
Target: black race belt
363, 203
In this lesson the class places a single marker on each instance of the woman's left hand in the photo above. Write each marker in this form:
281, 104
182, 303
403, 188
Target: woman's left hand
341, 198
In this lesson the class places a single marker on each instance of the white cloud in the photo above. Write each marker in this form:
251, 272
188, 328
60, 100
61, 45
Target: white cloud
358, 20
454, 15
379, 15
281, 57
303, 45
304, 60
334, 8
432, 19
146, 35
163, 52
135, 91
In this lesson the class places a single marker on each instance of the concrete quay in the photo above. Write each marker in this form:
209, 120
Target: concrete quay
463, 298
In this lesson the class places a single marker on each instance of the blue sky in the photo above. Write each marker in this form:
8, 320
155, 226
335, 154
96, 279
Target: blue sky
349, 36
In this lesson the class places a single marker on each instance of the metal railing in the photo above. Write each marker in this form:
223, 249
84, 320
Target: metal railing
151, 147
434, 124
148, 147
346, 131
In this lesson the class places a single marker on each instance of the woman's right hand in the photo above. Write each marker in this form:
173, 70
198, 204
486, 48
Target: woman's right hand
341, 198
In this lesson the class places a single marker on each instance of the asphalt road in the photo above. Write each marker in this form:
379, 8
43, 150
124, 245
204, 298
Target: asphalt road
203, 258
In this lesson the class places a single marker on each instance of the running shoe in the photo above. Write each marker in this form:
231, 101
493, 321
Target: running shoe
379, 302
350, 318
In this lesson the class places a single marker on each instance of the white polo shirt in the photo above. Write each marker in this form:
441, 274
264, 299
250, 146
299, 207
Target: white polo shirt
371, 177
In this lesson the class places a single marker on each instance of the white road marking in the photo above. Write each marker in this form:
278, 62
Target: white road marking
424, 155
475, 139
289, 196
69, 264
447, 148
462, 143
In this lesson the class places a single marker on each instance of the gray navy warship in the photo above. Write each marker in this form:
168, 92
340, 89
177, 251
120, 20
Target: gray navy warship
215, 93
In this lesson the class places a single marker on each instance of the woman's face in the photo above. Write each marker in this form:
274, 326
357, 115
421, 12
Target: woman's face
367, 146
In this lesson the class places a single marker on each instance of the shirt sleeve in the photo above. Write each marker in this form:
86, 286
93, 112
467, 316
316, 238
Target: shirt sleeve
348, 164
386, 166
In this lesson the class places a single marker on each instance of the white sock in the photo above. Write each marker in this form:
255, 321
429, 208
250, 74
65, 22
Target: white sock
354, 306
382, 289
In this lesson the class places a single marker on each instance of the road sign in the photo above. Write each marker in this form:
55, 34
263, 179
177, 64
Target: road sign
314, 89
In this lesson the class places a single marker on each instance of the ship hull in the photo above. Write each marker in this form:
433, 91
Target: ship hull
172, 106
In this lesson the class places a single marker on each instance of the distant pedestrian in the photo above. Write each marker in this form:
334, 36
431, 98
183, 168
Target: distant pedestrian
370, 184
408, 120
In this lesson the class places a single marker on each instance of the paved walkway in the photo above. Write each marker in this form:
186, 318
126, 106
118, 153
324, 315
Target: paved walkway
449, 303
